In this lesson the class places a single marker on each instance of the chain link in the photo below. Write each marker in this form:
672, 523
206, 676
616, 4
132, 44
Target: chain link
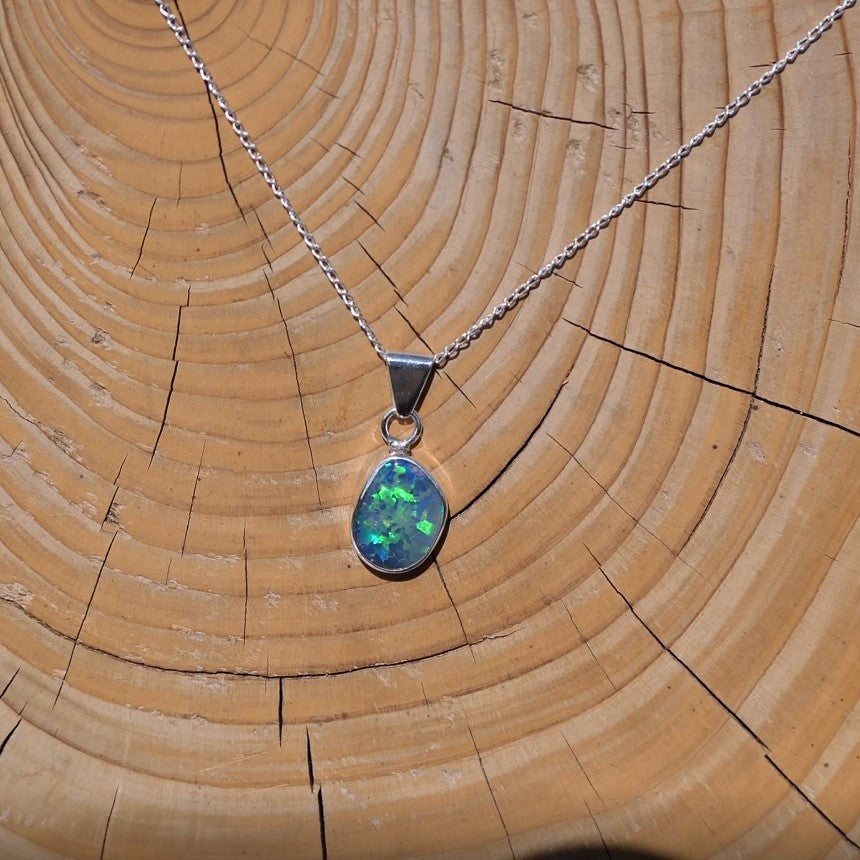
453, 349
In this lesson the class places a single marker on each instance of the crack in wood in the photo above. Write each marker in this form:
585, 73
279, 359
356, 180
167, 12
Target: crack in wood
587, 644
384, 275
453, 605
280, 50
172, 383
352, 152
9, 682
310, 758
498, 476
107, 824
581, 768
847, 223
549, 115
670, 205
8, 737
450, 379
111, 514
193, 497
238, 673
632, 517
710, 380
492, 793
143, 240
302, 408
599, 831
736, 718
321, 816
375, 221
77, 637
280, 709
217, 125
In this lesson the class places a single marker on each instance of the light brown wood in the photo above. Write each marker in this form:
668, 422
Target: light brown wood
642, 630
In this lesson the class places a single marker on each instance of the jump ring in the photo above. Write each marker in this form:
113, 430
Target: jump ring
401, 446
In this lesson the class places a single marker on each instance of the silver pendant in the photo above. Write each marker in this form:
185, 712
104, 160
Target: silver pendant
401, 513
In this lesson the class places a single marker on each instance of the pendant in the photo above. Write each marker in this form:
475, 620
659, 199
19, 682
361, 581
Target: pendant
401, 513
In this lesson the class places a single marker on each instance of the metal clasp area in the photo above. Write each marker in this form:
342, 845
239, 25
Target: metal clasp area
395, 444
410, 375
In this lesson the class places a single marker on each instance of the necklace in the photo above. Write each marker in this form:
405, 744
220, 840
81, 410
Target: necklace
401, 513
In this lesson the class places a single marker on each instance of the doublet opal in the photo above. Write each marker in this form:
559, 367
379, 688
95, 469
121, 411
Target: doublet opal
400, 516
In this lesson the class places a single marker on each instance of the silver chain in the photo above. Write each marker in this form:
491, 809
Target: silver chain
440, 359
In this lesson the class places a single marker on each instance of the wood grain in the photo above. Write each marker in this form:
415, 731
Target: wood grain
641, 633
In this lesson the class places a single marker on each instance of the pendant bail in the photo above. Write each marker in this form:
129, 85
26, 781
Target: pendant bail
410, 375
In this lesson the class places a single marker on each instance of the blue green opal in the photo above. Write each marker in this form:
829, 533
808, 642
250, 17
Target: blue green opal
399, 517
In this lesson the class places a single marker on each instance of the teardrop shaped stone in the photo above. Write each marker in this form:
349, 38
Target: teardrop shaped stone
399, 517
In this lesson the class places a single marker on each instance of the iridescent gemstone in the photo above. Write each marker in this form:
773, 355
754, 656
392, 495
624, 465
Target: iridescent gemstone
399, 517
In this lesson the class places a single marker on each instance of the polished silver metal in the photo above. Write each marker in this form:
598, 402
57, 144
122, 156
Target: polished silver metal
410, 376
453, 349
401, 446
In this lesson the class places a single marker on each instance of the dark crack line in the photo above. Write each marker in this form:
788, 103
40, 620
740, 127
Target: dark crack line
310, 758
634, 519
415, 331
236, 673
845, 229
110, 513
40, 427
588, 646
719, 701
9, 682
384, 273
503, 471
277, 301
302, 408
744, 426
549, 115
353, 185
319, 143
175, 361
107, 825
492, 794
718, 382
322, 89
193, 497
352, 152
13, 452
166, 406
581, 768
453, 606
143, 240
77, 638
671, 205
372, 218
266, 240
832, 319
451, 380
280, 710
283, 51
119, 470
321, 815
217, 127
9, 736
599, 831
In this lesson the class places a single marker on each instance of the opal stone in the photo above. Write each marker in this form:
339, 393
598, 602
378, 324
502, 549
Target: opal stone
399, 517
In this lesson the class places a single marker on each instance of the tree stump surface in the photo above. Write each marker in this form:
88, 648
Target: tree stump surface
641, 632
